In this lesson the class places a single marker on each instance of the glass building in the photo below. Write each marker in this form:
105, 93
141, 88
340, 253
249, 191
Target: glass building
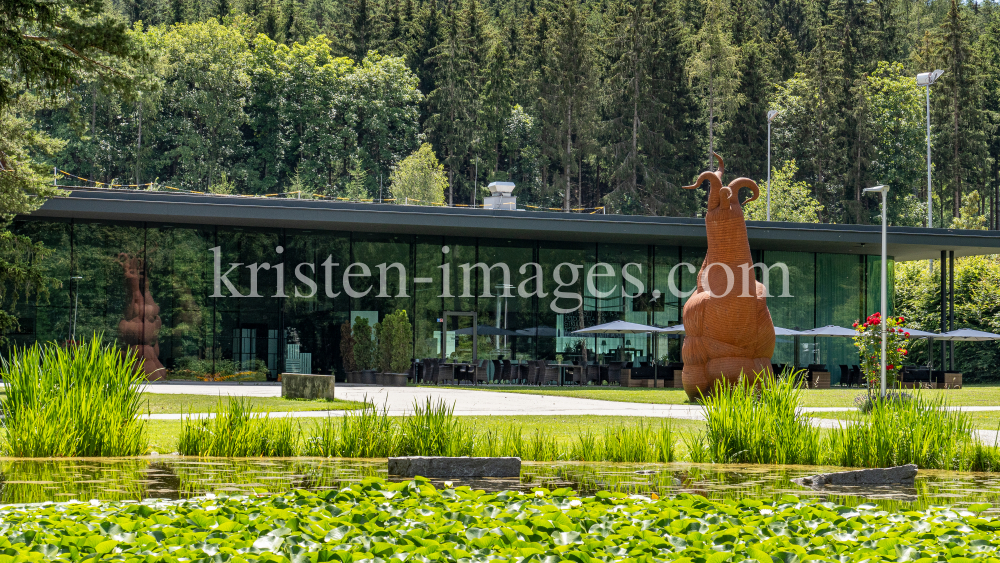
266, 284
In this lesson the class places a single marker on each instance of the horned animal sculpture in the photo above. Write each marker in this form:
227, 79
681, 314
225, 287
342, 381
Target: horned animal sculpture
728, 327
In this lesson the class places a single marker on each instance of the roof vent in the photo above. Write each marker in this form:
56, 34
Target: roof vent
500, 196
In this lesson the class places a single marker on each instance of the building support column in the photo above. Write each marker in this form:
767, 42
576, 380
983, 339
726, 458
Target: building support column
944, 307
951, 307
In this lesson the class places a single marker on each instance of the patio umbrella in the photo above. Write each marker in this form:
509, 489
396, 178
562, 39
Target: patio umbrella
486, 330
674, 329
778, 331
829, 330
914, 333
618, 327
536, 331
968, 335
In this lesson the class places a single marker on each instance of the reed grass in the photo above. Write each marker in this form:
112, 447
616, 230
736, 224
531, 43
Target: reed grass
82, 400
238, 430
757, 421
919, 430
434, 430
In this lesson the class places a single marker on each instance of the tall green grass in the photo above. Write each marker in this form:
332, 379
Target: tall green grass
757, 421
82, 400
919, 430
238, 430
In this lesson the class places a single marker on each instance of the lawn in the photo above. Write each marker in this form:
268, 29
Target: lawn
970, 395
160, 403
565, 429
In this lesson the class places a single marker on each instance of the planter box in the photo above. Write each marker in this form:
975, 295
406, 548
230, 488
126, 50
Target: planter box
307, 386
353, 377
952, 380
368, 377
820, 380
391, 379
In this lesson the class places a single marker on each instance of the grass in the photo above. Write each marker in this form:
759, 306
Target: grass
969, 395
238, 430
757, 422
74, 401
160, 403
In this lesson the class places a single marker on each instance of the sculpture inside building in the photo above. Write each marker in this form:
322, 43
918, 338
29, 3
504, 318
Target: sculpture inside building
140, 327
728, 327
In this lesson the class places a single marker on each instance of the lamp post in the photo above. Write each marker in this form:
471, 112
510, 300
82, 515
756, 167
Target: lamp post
770, 117
76, 300
882, 190
925, 79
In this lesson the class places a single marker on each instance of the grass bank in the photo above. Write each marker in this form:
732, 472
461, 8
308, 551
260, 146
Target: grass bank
414, 521
161, 403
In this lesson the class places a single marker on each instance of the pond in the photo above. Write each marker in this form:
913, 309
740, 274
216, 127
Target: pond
171, 477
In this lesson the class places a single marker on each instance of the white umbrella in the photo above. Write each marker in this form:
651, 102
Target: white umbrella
914, 333
618, 327
778, 331
674, 329
968, 335
829, 330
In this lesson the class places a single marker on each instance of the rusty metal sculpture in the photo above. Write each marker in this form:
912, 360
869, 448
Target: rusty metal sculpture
140, 327
728, 326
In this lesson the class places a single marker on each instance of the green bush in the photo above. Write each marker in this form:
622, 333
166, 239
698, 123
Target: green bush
238, 430
83, 400
347, 347
395, 342
364, 345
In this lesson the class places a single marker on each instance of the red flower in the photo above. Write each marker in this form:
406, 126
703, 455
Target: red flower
907, 334
905, 352
890, 366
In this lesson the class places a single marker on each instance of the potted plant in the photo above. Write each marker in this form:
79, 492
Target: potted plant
869, 344
364, 350
347, 352
395, 348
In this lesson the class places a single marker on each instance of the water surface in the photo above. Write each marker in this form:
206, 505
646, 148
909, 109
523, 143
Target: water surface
171, 477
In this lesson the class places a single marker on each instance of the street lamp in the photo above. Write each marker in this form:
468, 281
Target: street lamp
76, 300
925, 79
770, 117
882, 190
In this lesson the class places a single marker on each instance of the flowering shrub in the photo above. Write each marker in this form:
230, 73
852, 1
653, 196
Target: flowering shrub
869, 343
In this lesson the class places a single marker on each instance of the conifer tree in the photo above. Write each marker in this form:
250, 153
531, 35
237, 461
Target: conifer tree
960, 146
568, 89
713, 69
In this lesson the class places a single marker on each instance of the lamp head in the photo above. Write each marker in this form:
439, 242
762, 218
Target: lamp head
877, 190
928, 78
771, 115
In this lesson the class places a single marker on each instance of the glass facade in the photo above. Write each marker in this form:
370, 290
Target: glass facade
273, 300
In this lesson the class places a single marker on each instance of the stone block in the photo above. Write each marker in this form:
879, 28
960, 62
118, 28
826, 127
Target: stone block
899, 475
307, 386
455, 467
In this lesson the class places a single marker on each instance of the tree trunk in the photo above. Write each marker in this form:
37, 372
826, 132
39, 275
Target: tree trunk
711, 116
93, 132
138, 151
955, 162
569, 154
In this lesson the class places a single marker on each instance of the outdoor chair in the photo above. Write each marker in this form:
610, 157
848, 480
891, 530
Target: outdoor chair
845, 375
497, 369
615, 372
550, 374
445, 373
429, 371
507, 373
479, 372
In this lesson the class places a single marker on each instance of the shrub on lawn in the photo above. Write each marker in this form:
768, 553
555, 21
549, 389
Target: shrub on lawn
82, 400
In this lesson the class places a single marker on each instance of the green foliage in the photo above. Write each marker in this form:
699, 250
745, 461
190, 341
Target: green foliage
977, 306
378, 518
894, 432
434, 430
869, 344
365, 345
83, 400
791, 200
238, 430
395, 342
757, 421
52, 44
365, 433
419, 179
347, 346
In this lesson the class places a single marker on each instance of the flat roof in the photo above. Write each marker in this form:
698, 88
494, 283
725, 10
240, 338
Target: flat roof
904, 243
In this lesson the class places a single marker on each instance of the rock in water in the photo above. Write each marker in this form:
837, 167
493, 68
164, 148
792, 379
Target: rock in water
900, 475
411, 466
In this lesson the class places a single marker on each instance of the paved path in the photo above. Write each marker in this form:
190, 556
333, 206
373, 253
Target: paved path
468, 402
